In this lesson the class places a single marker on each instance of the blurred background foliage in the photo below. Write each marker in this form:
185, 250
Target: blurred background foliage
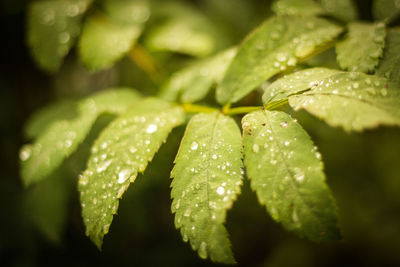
42, 225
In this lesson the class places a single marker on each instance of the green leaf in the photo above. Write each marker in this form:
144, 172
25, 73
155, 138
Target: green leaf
52, 29
361, 49
386, 9
277, 44
104, 41
389, 66
182, 29
297, 7
43, 118
128, 11
206, 180
344, 10
287, 174
122, 150
352, 100
47, 204
194, 82
60, 139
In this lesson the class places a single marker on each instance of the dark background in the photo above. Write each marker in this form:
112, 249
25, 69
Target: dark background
363, 172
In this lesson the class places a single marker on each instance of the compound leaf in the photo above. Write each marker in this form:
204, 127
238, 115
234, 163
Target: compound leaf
389, 66
123, 149
386, 9
352, 100
297, 7
194, 82
344, 10
277, 44
361, 49
52, 29
60, 139
104, 41
286, 172
206, 180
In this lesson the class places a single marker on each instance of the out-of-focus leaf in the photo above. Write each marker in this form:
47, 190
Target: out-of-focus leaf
122, 150
361, 49
52, 30
128, 11
194, 82
104, 41
286, 172
297, 7
61, 138
389, 66
344, 10
206, 180
386, 9
354, 101
277, 44
44, 117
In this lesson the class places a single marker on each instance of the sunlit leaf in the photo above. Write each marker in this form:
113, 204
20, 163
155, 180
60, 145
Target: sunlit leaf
127, 11
61, 138
344, 10
105, 41
386, 9
277, 44
194, 82
352, 100
122, 150
286, 172
206, 180
389, 66
52, 30
297, 7
361, 49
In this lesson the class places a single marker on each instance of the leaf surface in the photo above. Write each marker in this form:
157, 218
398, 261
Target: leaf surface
352, 100
389, 66
60, 139
361, 49
344, 10
52, 30
277, 44
104, 41
122, 150
193, 83
206, 180
386, 9
286, 172
297, 7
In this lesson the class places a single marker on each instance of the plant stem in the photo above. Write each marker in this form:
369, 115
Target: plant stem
242, 110
190, 108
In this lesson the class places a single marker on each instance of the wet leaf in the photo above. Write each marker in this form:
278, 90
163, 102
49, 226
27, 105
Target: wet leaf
206, 180
104, 41
122, 150
344, 10
60, 139
52, 30
352, 100
297, 7
194, 82
361, 49
389, 66
386, 9
286, 172
277, 44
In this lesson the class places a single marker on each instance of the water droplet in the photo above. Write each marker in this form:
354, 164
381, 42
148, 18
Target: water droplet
299, 175
102, 167
132, 149
335, 92
124, 175
256, 148
104, 145
194, 146
63, 37
284, 124
151, 128
287, 143
220, 190
281, 57
355, 85
384, 92
25, 152
187, 213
